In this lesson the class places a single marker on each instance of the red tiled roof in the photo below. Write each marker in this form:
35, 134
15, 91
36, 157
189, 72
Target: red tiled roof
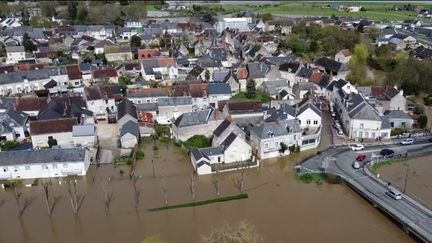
377, 90
30, 103
52, 126
243, 106
315, 78
166, 61
73, 72
105, 73
145, 116
242, 73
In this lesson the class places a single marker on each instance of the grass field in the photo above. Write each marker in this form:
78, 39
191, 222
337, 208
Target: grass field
374, 11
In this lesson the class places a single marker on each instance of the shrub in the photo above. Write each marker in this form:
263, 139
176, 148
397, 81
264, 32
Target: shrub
13, 183
292, 148
283, 148
162, 131
397, 131
8, 145
198, 141
123, 160
139, 154
422, 121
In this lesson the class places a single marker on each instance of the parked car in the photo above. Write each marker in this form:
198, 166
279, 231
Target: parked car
407, 141
356, 165
361, 157
386, 152
340, 132
333, 114
356, 147
395, 194
163, 120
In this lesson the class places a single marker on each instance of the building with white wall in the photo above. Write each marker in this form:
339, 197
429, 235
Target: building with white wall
14, 54
233, 23
45, 163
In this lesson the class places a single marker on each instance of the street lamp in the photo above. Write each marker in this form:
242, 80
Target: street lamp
406, 177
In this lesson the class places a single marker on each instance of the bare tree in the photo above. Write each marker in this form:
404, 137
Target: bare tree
107, 197
47, 192
75, 199
216, 184
192, 186
165, 190
243, 232
239, 179
136, 191
22, 203
153, 168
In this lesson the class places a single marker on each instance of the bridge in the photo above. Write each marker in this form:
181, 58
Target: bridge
414, 215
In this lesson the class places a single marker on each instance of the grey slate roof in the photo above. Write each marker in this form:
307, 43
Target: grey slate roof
83, 130
126, 107
174, 101
194, 118
130, 127
6, 102
385, 122
331, 65
10, 158
390, 93
219, 88
277, 129
221, 128
11, 49
257, 70
397, 114
364, 112
307, 106
19, 117
147, 107
228, 140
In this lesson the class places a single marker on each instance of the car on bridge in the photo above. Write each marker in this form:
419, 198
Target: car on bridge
386, 152
395, 194
356, 147
407, 141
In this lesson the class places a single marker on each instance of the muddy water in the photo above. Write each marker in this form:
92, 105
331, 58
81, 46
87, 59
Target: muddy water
419, 177
282, 209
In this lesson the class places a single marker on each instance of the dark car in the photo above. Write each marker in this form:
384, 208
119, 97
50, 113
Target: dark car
430, 140
387, 152
361, 157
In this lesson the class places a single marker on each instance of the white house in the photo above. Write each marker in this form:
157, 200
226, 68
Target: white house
232, 150
218, 92
101, 100
233, 23
343, 56
129, 134
224, 129
267, 138
309, 115
173, 107
14, 54
58, 129
44, 163
13, 125
202, 122
84, 135
159, 68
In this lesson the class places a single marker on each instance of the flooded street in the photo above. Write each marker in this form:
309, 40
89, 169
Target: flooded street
418, 177
281, 208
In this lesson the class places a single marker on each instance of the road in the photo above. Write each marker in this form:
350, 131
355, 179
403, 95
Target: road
414, 216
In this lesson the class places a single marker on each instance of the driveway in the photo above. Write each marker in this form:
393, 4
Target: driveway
108, 137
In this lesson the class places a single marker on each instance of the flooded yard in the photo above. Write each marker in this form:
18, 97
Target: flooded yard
418, 177
281, 208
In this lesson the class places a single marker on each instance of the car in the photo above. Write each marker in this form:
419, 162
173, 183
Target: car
361, 157
333, 114
163, 120
356, 165
430, 140
386, 152
395, 194
407, 141
340, 132
357, 147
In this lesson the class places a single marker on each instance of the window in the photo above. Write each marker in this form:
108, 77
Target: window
27, 167
266, 145
65, 165
308, 122
54, 166
361, 125
5, 169
77, 83
16, 168
403, 124
391, 124
219, 159
315, 122
300, 122
44, 167
295, 137
277, 144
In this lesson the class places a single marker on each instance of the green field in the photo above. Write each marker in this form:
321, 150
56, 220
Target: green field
374, 11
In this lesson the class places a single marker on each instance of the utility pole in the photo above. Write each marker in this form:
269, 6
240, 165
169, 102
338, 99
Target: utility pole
406, 177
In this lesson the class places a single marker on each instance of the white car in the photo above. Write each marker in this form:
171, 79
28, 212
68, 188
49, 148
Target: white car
163, 120
407, 141
357, 147
356, 165
395, 194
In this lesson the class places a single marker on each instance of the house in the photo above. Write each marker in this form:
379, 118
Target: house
394, 99
337, 69
224, 129
289, 70
218, 92
126, 111
233, 149
30, 105
117, 53
202, 122
423, 53
411, 23
129, 134
241, 24
105, 75
159, 68
58, 129
101, 100
44, 163
243, 112
148, 53
15, 54
84, 135
74, 75
146, 95
232, 80
359, 119
308, 114
343, 56
67, 106
397, 44
399, 119
267, 138
278, 89
173, 107
13, 125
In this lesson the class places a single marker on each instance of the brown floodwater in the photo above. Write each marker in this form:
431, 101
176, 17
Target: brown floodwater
281, 208
418, 177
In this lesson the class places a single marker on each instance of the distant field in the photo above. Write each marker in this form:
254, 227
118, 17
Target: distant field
375, 11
